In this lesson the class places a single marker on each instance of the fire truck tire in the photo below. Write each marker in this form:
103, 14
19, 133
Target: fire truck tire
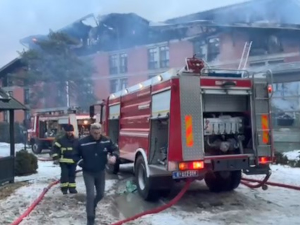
143, 182
36, 148
217, 182
113, 169
165, 193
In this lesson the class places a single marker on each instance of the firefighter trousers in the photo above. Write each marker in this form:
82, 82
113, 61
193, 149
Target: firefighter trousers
68, 176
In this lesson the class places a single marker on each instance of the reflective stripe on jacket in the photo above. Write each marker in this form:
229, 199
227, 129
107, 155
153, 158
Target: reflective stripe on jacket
94, 152
64, 150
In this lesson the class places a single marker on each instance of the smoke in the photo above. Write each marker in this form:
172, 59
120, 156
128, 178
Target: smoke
21, 18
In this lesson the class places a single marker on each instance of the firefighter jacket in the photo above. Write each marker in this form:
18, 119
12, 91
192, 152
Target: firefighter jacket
59, 135
93, 153
64, 149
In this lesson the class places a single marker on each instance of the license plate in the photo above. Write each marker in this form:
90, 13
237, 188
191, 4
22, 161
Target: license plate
185, 174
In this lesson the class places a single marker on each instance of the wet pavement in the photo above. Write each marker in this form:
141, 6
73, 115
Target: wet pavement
124, 204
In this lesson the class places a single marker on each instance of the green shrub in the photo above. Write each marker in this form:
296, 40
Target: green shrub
281, 159
26, 163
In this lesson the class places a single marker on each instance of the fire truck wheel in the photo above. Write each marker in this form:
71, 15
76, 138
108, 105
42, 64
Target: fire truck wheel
113, 169
36, 148
165, 193
220, 181
143, 182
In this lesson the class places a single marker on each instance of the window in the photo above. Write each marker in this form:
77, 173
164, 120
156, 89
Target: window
113, 64
158, 57
207, 50
264, 44
27, 115
114, 86
213, 49
200, 49
118, 85
26, 96
164, 57
118, 63
9, 82
153, 58
123, 83
123, 63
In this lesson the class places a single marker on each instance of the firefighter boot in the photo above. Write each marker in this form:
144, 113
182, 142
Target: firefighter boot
91, 220
73, 190
64, 190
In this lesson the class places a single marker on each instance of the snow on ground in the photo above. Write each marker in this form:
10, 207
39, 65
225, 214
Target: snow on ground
5, 148
244, 206
293, 155
198, 206
55, 208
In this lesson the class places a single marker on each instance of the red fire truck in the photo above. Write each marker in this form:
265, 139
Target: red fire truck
47, 123
199, 123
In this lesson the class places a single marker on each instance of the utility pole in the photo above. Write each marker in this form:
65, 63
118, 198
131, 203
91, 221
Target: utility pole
68, 94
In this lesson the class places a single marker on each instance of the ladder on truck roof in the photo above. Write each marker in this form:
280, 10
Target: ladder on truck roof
261, 114
245, 56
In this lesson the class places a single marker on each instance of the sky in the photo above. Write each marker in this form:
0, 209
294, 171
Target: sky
21, 18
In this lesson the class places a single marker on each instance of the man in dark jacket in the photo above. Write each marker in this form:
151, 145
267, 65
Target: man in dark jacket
63, 150
94, 152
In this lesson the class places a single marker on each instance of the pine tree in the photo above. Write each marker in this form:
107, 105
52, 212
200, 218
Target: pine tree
55, 64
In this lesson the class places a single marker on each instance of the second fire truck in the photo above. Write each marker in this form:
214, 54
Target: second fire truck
193, 123
46, 124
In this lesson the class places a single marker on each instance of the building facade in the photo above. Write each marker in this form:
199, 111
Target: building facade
117, 70
127, 49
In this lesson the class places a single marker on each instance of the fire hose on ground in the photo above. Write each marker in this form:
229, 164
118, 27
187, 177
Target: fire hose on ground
245, 181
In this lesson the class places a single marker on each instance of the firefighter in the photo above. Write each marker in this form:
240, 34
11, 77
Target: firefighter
61, 133
94, 151
63, 150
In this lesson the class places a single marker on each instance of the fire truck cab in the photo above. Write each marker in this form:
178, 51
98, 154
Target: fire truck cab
195, 123
48, 123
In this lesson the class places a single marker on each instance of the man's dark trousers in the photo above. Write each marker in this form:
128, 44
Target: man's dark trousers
92, 181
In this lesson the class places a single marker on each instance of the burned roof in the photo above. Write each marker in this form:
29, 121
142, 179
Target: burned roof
254, 9
208, 14
120, 31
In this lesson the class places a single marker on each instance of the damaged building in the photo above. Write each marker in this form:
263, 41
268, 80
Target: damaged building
128, 49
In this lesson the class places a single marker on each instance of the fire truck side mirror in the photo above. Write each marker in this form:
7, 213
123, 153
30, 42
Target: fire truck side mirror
92, 111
